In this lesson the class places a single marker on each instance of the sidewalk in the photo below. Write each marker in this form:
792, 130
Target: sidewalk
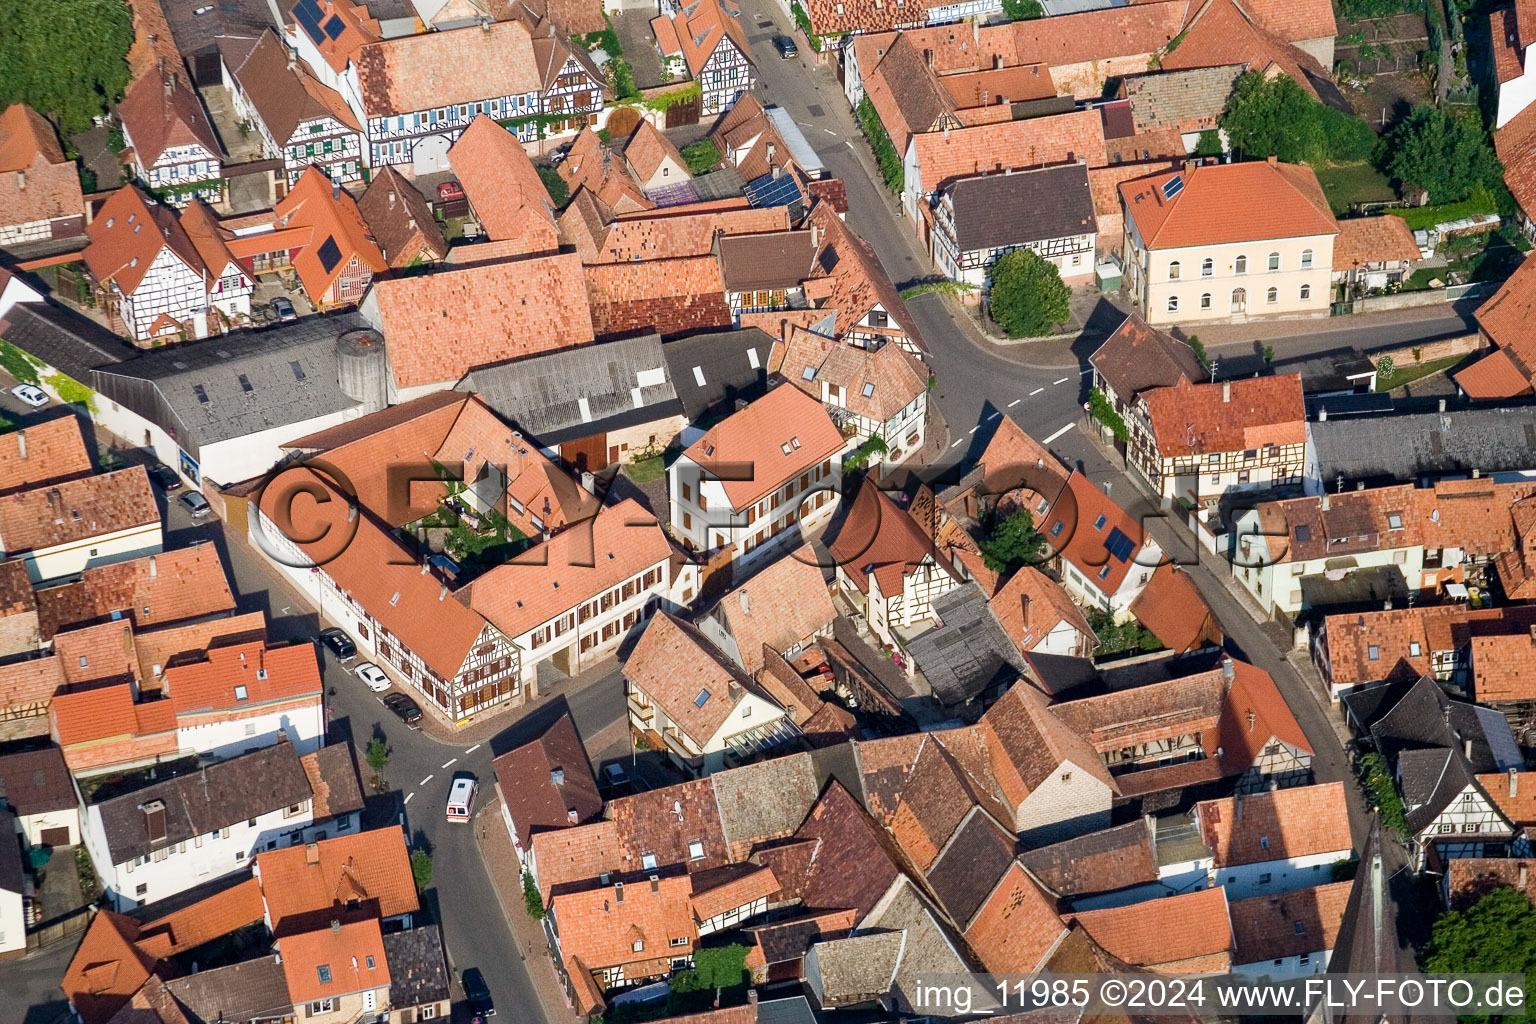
506, 873
1279, 330
436, 725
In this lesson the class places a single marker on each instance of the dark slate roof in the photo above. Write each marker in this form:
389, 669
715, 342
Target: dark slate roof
709, 369
418, 970
1367, 942
793, 1010
1408, 446
1430, 778
253, 990
1063, 677
214, 797
967, 869
35, 781
64, 340
967, 652
544, 395
12, 877
996, 210
1097, 862
1423, 716
168, 386
528, 787
197, 24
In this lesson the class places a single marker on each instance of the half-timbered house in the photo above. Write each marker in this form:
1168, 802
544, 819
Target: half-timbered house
1049, 210
708, 35
572, 83
39, 188
1197, 442
299, 119
338, 261
171, 147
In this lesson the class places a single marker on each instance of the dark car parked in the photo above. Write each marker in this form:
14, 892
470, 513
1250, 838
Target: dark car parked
407, 710
165, 476
478, 995
340, 644
786, 47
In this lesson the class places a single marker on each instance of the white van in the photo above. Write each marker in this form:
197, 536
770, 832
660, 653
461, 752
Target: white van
461, 797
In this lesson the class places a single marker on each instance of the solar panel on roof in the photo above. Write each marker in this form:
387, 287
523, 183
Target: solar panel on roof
307, 14
330, 255
766, 190
1119, 545
1173, 186
334, 27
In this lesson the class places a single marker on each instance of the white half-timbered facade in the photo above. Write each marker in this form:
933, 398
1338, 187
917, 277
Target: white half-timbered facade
326, 143
398, 139
978, 219
185, 173
725, 77
575, 92
1471, 825
170, 295
1279, 764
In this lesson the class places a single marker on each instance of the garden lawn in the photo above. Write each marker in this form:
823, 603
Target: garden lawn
1347, 184
1416, 371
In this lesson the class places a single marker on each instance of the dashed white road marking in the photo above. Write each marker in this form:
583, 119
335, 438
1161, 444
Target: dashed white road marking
424, 781
472, 749
407, 798
829, 131
1062, 381
973, 429
1084, 373
955, 445
995, 416
450, 761
1035, 392
1058, 433
1015, 402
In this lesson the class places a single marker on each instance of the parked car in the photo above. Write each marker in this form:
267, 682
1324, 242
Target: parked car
786, 47
283, 310
615, 778
478, 995
340, 644
461, 798
31, 394
165, 476
373, 677
407, 710
195, 503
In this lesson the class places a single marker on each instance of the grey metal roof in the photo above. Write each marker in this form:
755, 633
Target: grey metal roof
968, 653
794, 1010
562, 396
720, 366
214, 797
237, 384
418, 970
1406, 447
253, 990
799, 147
64, 340
996, 210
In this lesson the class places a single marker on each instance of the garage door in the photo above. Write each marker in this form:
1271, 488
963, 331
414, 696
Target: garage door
55, 837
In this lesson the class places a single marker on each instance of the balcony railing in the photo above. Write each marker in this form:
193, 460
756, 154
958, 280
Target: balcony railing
678, 745
641, 712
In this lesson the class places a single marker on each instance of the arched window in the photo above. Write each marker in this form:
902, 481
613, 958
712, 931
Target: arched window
1173, 271
1273, 295
1173, 303
1306, 259
1306, 292
1274, 261
1242, 265
1207, 268
1205, 301
1239, 300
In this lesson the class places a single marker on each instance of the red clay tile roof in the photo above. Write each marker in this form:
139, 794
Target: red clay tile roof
107, 968
1365, 240
30, 682
569, 569
50, 186
999, 86
601, 927
1301, 821
1224, 203
672, 296
1077, 509
333, 778
1514, 793
1031, 604
1099, 34
331, 215
1251, 412
1146, 714
747, 887
688, 677
207, 919
1172, 608
527, 777
503, 186
159, 648
855, 861
757, 436
783, 606
1162, 931
1294, 20
1034, 743
154, 590
399, 220
244, 676
570, 858
442, 324
1515, 144
1504, 667
161, 111
1493, 377
878, 538
836, 17
648, 149
372, 867
127, 234
1017, 927
431, 69
1301, 921
1506, 317
1138, 357
41, 453
77, 510
1253, 713
1470, 878
1035, 142
702, 26
855, 278
108, 712
1098, 862
1222, 32
318, 963
675, 232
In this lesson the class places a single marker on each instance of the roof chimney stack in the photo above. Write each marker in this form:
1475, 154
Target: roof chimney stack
1466, 749
1514, 782
1228, 668
312, 853
1226, 391
21, 443
557, 776
1237, 807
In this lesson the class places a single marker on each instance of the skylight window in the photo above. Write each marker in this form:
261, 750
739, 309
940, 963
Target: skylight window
786, 448
1394, 520
324, 971
701, 699
1057, 528
240, 693
809, 373
1098, 524
869, 388
796, 442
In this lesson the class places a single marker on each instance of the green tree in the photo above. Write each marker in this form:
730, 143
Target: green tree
1014, 542
1372, 769
1385, 368
1446, 155
1209, 144
1277, 117
532, 901
1023, 10
67, 58
1198, 348
377, 755
701, 156
1028, 298
890, 161
1495, 935
421, 868
559, 191
1100, 409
